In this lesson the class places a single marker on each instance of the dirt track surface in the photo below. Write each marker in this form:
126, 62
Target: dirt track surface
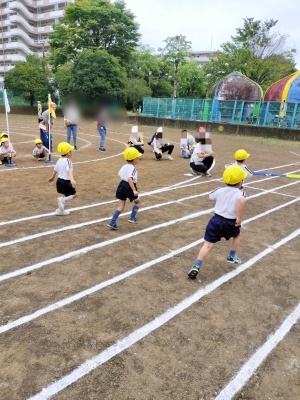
192, 354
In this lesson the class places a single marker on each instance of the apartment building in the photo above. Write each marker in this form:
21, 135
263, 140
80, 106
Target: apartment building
24, 29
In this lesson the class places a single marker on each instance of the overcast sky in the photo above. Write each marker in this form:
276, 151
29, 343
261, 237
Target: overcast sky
209, 23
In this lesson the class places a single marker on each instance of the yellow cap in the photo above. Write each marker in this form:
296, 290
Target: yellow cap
38, 141
4, 139
131, 154
233, 175
241, 155
3, 134
64, 148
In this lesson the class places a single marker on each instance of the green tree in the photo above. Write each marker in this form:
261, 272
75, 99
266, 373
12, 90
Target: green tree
175, 52
98, 75
63, 77
137, 88
30, 79
94, 24
191, 81
255, 51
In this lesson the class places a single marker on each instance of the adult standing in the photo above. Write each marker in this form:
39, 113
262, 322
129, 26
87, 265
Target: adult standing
47, 121
71, 119
101, 127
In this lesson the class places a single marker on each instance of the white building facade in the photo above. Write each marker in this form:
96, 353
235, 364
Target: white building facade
24, 29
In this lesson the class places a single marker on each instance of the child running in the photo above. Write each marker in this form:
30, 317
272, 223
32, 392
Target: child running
65, 182
127, 188
230, 203
240, 157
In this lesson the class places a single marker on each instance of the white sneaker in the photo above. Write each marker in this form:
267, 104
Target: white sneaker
60, 212
60, 203
193, 172
169, 157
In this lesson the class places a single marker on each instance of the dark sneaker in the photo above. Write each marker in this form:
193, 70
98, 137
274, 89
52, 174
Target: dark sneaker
113, 226
132, 220
234, 260
103, 149
193, 272
75, 147
205, 174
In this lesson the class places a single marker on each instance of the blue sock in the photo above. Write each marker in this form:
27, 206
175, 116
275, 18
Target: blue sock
232, 253
134, 211
114, 217
198, 263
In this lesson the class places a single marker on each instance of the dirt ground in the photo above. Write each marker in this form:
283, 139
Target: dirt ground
45, 259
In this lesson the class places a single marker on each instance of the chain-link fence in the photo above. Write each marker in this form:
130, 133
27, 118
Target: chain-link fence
282, 115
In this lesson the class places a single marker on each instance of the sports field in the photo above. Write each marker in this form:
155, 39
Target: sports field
90, 313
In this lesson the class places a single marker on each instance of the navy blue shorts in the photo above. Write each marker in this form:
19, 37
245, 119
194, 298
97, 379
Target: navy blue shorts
125, 192
65, 187
219, 227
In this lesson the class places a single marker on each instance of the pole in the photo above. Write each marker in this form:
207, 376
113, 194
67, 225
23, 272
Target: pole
49, 129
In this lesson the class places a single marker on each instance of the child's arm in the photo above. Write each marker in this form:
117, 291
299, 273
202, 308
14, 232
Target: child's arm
240, 205
71, 177
52, 177
131, 184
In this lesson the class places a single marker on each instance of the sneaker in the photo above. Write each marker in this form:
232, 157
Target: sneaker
60, 203
169, 157
60, 212
103, 149
132, 220
205, 174
193, 172
193, 272
234, 260
75, 147
112, 226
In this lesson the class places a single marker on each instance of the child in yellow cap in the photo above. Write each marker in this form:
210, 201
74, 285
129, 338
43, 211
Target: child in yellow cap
40, 152
226, 223
240, 157
65, 182
7, 152
127, 188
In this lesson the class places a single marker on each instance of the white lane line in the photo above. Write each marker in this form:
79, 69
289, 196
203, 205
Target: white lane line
182, 185
281, 194
123, 344
74, 162
258, 357
163, 189
71, 299
96, 221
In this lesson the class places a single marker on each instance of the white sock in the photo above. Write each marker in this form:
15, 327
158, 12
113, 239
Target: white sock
67, 198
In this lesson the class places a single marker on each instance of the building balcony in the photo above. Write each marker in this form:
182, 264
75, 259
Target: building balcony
16, 5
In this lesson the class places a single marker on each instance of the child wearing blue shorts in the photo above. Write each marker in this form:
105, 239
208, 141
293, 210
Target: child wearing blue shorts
226, 223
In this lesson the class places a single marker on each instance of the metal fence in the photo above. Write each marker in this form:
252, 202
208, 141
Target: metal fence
282, 115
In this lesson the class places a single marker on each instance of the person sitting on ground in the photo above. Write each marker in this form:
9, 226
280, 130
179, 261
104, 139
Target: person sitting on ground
7, 151
159, 148
240, 157
201, 162
136, 140
40, 152
187, 151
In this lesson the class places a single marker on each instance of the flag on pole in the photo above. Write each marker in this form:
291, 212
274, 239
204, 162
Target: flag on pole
51, 108
6, 103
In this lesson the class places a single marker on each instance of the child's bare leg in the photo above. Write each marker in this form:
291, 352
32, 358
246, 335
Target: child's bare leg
234, 245
121, 205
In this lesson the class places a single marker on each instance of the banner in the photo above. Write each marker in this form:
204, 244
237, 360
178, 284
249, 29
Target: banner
6, 103
52, 111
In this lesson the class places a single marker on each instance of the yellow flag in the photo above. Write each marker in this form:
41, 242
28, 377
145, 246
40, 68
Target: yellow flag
51, 108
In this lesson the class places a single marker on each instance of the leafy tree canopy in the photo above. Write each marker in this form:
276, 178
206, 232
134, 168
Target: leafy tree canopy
256, 52
94, 24
30, 79
191, 81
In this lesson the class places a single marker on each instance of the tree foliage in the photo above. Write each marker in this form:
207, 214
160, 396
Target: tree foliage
137, 88
255, 51
191, 81
94, 24
30, 79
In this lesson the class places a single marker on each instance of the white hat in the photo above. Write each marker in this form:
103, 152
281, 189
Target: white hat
159, 129
134, 129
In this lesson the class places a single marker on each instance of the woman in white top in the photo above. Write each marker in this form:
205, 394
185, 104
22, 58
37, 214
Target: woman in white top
201, 162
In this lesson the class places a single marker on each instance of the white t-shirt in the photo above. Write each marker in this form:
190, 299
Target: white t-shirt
10, 149
63, 167
37, 151
128, 171
194, 158
243, 166
226, 198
